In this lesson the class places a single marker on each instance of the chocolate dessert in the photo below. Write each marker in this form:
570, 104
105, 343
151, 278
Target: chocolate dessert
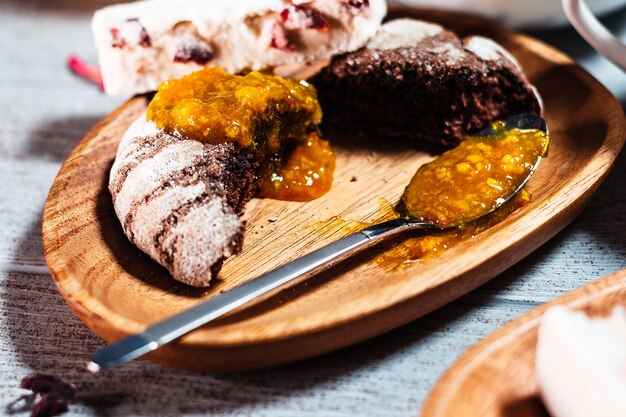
185, 170
179, 200
417, 80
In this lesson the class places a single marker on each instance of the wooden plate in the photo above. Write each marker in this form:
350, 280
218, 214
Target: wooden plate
117, 290
496, 378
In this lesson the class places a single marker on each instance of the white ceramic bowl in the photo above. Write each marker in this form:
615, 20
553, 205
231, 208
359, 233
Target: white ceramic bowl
594, 32
535, 14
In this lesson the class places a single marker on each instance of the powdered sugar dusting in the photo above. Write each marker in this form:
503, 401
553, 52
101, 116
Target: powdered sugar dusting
149, 174
149, 216
131, 143
139, 128
403, 33
483, 48
202, 238
451, 52
488, 50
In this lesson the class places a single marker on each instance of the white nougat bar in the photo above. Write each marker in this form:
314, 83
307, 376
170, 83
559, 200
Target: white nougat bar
143, 43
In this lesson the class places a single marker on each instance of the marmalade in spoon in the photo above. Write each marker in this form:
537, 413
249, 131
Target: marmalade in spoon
474, 178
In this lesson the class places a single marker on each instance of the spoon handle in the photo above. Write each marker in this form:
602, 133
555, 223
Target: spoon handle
257, 289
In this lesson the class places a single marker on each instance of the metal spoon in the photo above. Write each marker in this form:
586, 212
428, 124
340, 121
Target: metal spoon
262, 286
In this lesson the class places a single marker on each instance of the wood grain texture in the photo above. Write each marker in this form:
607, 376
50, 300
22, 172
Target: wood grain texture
44, 111
117, 290
496, 378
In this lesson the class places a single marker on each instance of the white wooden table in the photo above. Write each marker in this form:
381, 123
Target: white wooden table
44, 111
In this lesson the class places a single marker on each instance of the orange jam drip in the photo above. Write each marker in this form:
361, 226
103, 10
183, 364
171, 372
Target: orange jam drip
475, 177
269, 114
304, 175
407, 252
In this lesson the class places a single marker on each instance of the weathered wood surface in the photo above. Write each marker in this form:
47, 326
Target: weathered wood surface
44, 111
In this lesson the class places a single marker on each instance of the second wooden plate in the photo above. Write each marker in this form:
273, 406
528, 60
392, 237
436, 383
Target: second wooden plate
117, 290
496, 378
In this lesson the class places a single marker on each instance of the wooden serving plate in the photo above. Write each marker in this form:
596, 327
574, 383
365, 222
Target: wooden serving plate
117, 290
496, 377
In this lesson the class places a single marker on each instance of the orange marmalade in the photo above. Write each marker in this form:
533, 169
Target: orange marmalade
272, 116
475, 177
304, 174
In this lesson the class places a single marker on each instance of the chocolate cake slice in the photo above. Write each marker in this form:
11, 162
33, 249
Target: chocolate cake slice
186, 168
178, 200
415, 79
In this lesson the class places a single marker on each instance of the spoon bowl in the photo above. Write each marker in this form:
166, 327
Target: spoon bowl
481, 174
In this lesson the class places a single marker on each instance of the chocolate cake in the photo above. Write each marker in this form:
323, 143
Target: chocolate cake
415, 79
178, 200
